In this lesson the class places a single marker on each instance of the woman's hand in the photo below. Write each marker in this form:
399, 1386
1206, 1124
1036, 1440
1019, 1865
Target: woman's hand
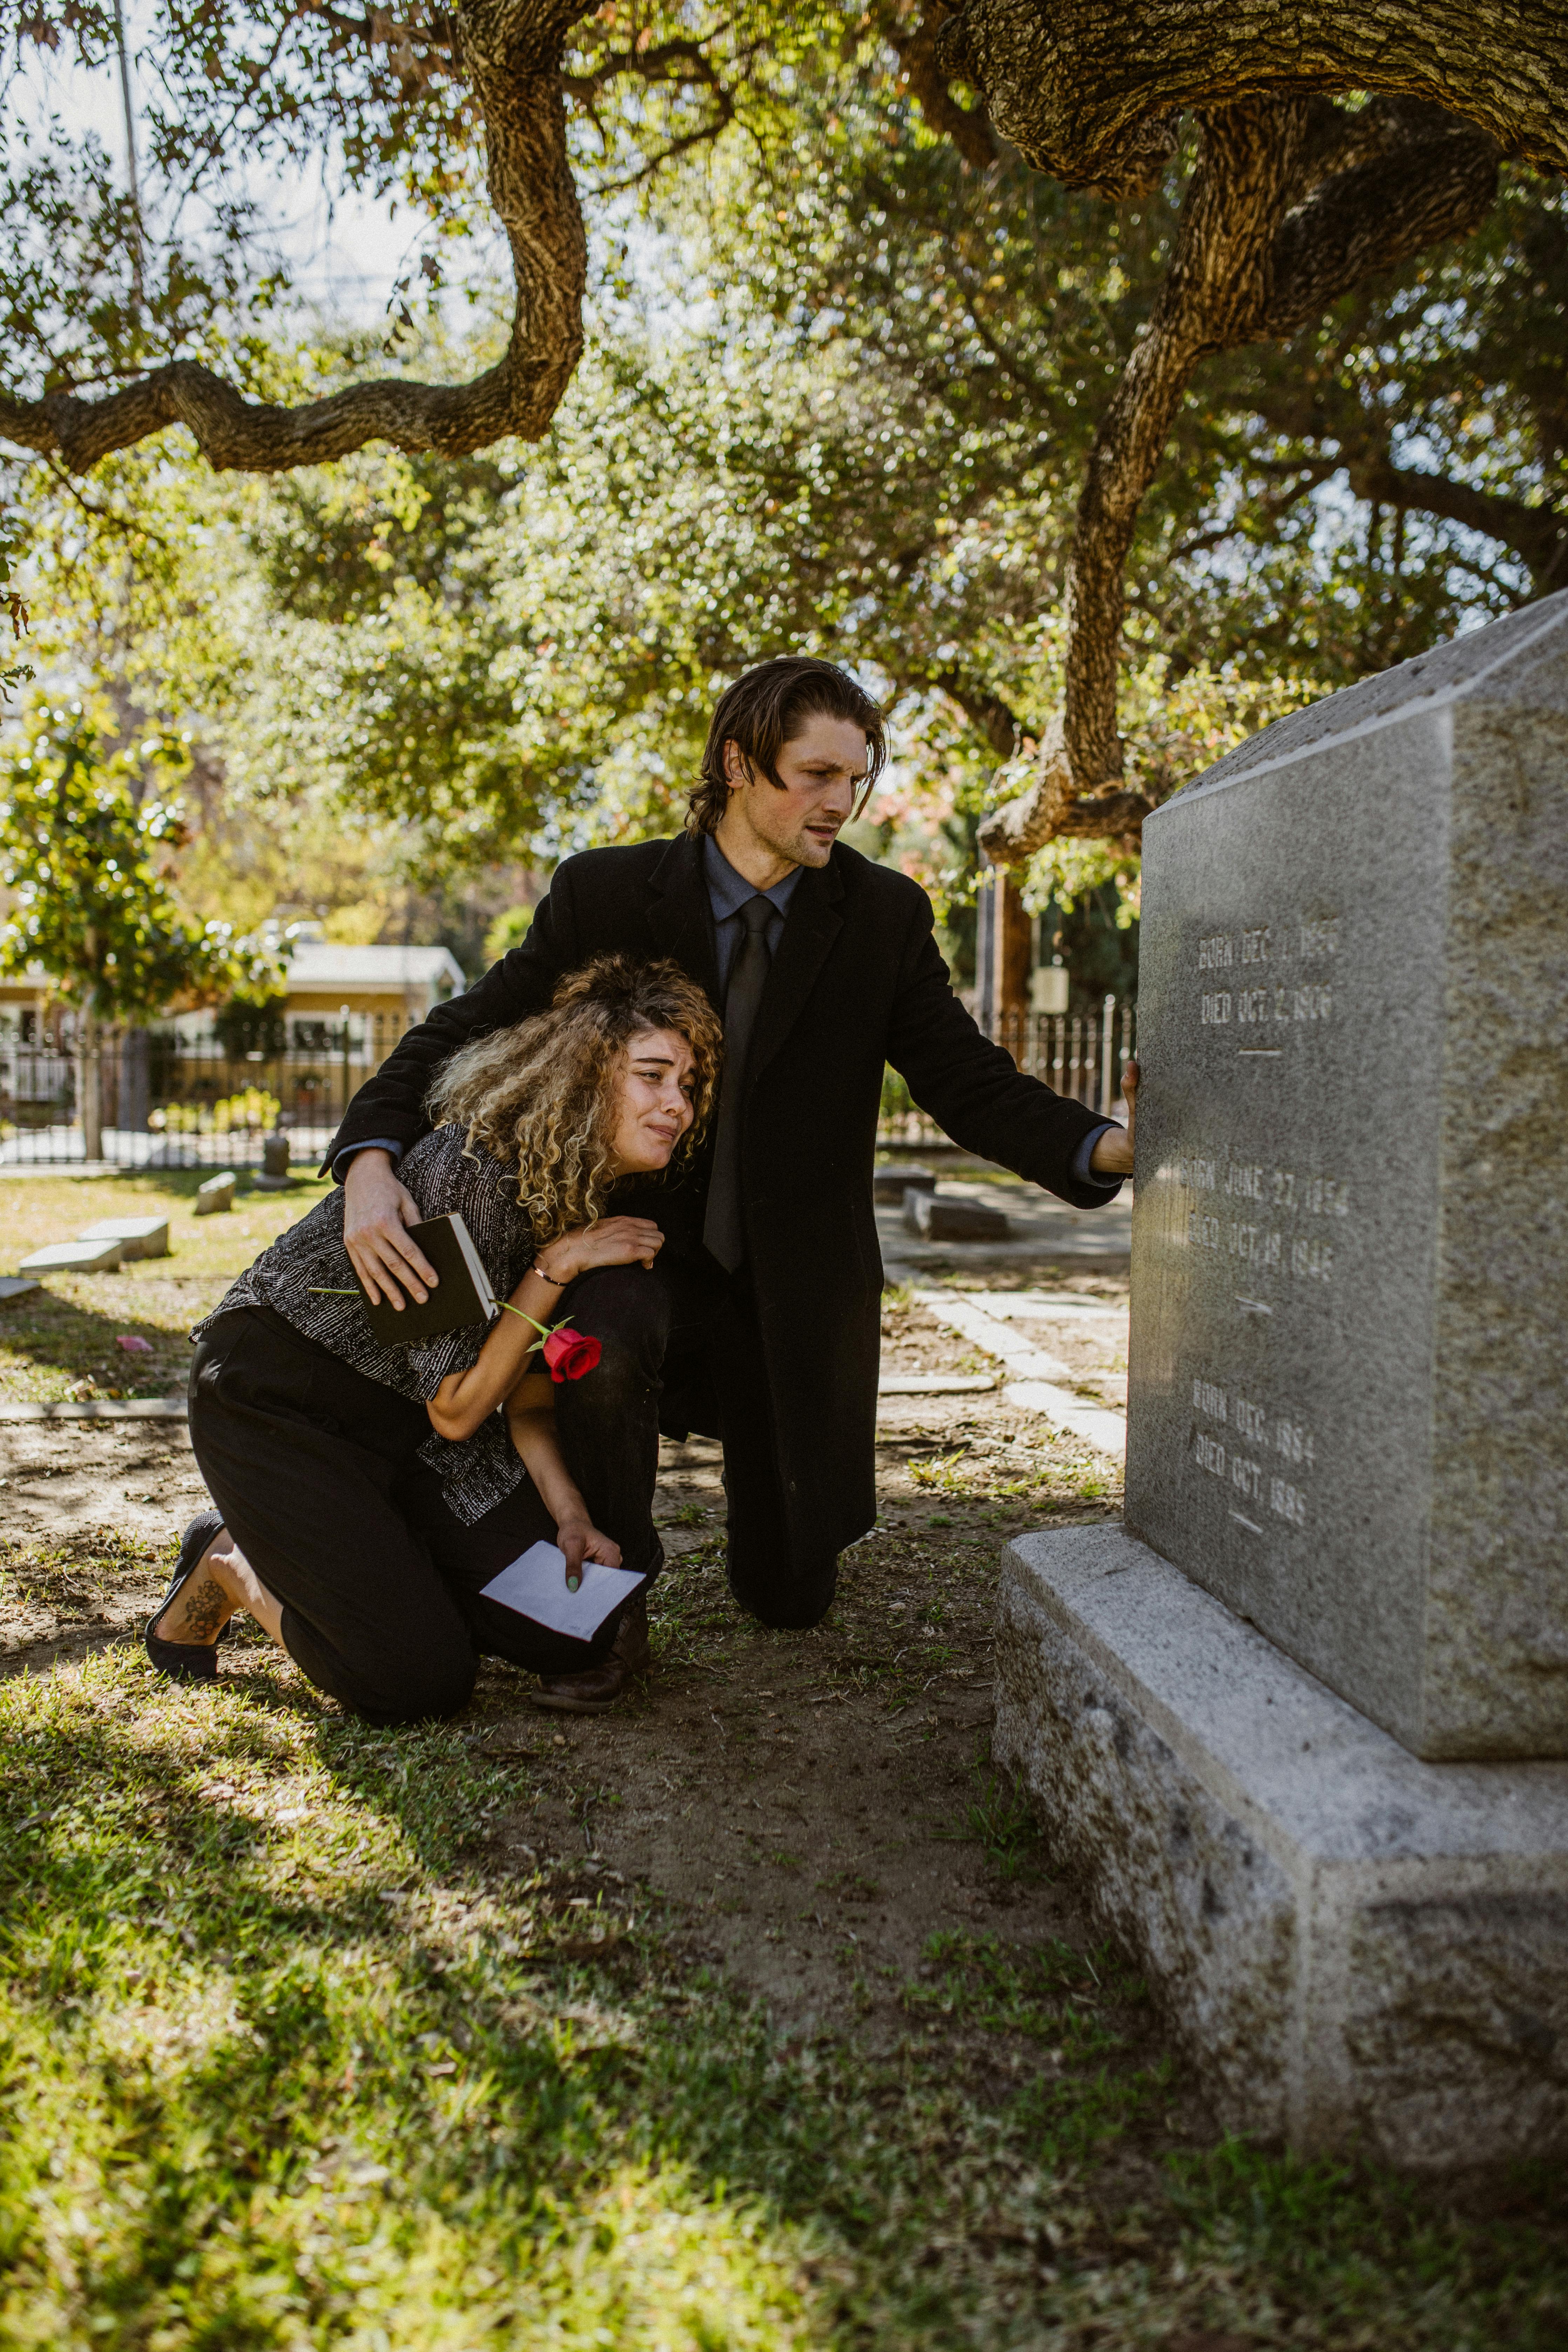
530, 1417
615, 1240
580, 1542
376, 1210
1112, 1153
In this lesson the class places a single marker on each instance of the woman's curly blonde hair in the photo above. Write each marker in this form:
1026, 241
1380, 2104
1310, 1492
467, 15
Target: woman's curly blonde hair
540, 1095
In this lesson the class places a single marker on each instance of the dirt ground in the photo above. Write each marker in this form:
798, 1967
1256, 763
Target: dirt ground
807, 1809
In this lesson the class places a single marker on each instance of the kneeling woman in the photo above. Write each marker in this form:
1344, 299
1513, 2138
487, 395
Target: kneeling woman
365, 1494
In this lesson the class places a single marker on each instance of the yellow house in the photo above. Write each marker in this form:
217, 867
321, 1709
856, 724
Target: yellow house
32, 1067
22, 994
344, 1010
390, 985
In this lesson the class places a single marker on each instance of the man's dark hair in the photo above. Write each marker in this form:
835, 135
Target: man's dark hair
764, 710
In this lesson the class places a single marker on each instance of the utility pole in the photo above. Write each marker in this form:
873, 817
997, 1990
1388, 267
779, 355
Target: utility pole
138, 276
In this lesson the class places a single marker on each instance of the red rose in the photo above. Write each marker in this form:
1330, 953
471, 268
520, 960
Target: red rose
570, 1354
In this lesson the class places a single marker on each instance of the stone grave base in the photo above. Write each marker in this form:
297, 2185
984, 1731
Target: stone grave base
1358, 1949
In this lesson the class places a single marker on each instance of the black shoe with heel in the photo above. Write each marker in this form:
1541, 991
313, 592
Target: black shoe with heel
186, 1662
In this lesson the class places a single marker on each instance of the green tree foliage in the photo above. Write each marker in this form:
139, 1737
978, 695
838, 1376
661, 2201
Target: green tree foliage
839, 395
509, 930
844, 406
86, 833
13, 610
983, 321
1439, 400
503, 112
91, 294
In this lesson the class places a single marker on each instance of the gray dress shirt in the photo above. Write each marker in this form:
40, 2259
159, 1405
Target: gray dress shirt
727, 894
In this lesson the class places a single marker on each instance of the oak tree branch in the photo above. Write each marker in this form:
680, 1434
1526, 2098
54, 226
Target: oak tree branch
1086, 89
511, 52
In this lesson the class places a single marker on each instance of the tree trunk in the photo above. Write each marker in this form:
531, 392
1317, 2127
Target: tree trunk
1218, 283
133, 1088
965, 126
90, 1085
1290, 204
1003, 944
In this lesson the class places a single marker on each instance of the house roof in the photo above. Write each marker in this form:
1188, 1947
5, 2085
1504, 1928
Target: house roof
319, 963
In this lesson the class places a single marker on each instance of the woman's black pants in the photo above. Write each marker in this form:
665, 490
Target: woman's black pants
313, 1467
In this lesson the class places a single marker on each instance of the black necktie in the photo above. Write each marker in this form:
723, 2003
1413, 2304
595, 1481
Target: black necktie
723, 1229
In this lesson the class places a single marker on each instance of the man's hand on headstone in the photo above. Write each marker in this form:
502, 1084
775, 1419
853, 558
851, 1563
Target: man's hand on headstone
1112, 1155
376, 1210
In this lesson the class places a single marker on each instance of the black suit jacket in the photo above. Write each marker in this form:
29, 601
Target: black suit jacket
857, 982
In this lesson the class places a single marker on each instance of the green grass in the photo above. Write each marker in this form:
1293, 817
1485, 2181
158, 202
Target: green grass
1047, 1992
285, 2061
279, 2069
999, 1818
61, 1342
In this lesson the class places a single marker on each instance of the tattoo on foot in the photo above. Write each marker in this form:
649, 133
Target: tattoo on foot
206, 1609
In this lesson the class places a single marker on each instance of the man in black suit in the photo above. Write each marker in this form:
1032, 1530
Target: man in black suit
760, 1320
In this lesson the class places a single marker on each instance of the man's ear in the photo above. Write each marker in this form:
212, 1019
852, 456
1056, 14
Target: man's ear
737, 767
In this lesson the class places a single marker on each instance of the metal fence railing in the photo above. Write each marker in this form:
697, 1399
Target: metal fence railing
184, 1096
1080, 1055
190, 1094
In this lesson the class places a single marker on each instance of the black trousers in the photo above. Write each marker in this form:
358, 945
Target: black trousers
681, 1350
313, 1469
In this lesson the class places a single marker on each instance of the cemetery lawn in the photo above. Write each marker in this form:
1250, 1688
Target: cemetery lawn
60, 1342
750, 2016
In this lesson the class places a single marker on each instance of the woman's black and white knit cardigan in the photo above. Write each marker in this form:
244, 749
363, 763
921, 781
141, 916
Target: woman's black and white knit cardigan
309, 1260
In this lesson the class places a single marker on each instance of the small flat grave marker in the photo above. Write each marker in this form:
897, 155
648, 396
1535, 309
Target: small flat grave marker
73, 1257
889, 1185
941, 1217
138, 1236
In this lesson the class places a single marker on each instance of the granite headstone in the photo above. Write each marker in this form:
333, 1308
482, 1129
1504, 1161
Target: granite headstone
73, 1257
1348, 1414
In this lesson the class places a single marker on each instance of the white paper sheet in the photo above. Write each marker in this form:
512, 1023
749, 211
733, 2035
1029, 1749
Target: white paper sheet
535, 1586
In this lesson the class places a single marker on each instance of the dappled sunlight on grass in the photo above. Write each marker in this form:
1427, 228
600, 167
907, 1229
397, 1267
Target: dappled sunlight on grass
61, 1341
294, 2056
270, 2076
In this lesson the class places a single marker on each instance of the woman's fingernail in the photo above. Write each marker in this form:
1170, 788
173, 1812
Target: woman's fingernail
572, 1583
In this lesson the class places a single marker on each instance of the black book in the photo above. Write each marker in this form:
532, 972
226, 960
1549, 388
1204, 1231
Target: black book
462, 1295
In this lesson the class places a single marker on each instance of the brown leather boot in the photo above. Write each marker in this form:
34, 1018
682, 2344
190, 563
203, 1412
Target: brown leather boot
598, 1687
